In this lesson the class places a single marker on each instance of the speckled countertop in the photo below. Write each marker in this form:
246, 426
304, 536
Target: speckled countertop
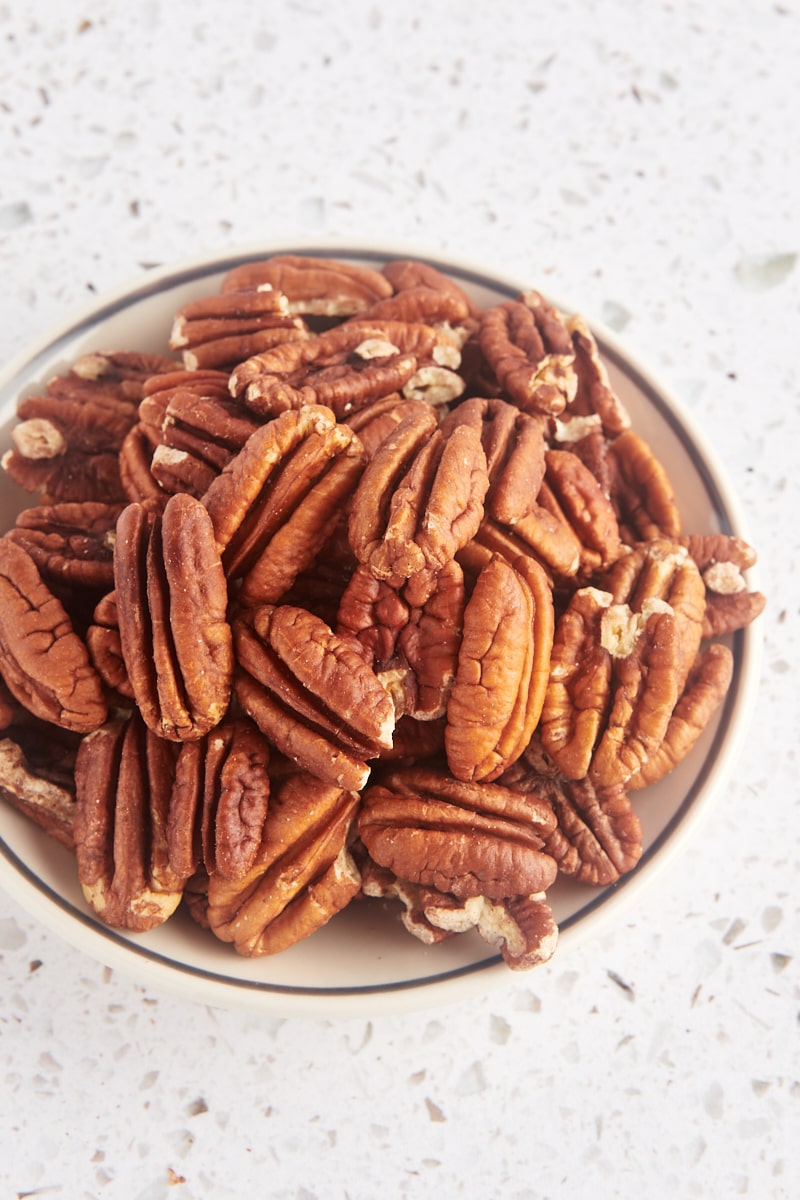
640, 159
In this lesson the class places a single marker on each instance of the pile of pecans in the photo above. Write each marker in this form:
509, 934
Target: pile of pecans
358, 590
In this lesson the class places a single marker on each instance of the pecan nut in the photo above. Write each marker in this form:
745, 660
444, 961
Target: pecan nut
172, 599
466, 839
45, 662
642, 490
71, 544
312, 286
722, 561
48, 803
278, 502
303, 874
312, 693
529, 350
594, 394
420, 499
503, 669
123, 780
216, 332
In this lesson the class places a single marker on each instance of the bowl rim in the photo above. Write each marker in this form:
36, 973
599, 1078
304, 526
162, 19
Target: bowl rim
141, 963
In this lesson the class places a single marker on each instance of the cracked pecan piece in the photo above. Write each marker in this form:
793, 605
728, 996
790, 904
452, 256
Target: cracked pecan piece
722, 561
47, 802
312, 286
303, 873
45, 662
312, 692
219, 801
503, 669
72, 544
123, 780
278, 502
219, 331
66, 441
172, 598
420, 499
466, 839
411, 634
529, 350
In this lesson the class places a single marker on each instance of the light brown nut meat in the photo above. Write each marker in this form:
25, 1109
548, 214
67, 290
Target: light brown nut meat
514, 445
642, 491
312, 285
594, 393
278, 502
312, 693
43, 661
420, 499
219, 801
123, 778
349, 366
705, 690
49, 804
503, 669
522, 928
71, 544
303, 874
172, 602
475, 839
411, 634
222, 330
722, 561
530, 352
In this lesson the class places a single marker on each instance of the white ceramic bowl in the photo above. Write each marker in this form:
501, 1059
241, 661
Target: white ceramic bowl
364, 962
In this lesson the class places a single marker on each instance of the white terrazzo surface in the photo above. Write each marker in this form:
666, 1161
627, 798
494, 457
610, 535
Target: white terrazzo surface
642, 160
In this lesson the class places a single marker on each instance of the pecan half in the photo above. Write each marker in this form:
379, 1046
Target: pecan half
219, 801
722, 561
420, 499
315, 286
123, 779
303, 874
280, 499
375, 421
467, 839
594, 394
312, 693
528, 347
223, 330
45, 663
642, 491
171, 598
412, 634
71, 544
503, 669
49, 804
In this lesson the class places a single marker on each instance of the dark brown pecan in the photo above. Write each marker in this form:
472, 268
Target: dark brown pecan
172, 599
67, 440
514, 445
123, 778
314, 286
278, 502
594, 394
420, 499
50, 804
529, 350
503, 669
303, 873
642, 491
43, 660
219, 801
467, 839
71, 544
312, 692
222, 330
722, 560
349, 366
411, 634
